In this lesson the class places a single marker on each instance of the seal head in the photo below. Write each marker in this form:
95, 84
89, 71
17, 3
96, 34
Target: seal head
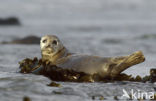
51, 48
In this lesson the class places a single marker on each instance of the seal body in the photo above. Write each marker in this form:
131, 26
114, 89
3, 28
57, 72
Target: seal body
53, 50
85, 63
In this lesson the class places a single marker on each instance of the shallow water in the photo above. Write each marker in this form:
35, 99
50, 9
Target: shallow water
101, 27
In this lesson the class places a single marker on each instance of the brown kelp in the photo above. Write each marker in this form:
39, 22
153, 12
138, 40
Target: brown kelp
39, 67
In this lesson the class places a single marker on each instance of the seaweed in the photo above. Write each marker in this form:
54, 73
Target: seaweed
54, 84
46, 68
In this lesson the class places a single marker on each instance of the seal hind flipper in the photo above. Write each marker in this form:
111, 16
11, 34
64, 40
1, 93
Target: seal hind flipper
125, 62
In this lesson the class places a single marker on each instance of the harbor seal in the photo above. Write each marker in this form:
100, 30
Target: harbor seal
54, 51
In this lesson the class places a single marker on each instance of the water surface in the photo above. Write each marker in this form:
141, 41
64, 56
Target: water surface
101, 27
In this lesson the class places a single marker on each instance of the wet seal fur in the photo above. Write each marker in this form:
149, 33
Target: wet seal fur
55, 73
54, 51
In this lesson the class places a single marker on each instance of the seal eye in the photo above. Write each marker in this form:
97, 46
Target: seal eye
44, 41
54, 42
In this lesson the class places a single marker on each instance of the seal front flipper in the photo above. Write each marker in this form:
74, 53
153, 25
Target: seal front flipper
125, 62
